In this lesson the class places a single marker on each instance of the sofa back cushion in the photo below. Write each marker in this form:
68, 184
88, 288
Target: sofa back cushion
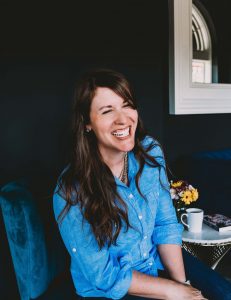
210, 172
37, 257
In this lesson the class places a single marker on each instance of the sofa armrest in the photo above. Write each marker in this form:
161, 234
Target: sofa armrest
26, 239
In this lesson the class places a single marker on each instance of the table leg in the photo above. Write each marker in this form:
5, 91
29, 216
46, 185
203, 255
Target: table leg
220, 258
210, 254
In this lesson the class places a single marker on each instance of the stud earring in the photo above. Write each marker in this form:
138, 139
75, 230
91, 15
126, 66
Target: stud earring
88, 130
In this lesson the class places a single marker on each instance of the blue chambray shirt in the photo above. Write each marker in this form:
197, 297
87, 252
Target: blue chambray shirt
108, 272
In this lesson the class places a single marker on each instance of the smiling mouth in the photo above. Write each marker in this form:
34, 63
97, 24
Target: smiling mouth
122, 132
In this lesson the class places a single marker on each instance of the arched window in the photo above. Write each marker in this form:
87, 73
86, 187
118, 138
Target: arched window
202, 48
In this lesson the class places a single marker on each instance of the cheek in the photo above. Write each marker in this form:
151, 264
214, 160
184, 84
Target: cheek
99, 125
134, 116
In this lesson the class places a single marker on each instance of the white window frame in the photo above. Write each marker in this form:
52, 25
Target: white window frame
201, 68
186, 97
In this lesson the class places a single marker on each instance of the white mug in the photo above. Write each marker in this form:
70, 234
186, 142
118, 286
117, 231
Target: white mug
194, 219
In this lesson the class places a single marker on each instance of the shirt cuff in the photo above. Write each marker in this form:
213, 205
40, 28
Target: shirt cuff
123, 283
168, 234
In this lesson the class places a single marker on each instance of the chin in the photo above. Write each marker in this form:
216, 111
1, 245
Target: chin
128, 147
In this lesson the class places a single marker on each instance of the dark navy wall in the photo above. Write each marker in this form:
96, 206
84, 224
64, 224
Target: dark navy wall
44, 49
36, 107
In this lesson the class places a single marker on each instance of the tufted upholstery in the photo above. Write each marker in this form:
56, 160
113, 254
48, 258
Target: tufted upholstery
37, 252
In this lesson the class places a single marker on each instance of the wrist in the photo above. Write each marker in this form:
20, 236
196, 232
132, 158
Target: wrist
179, 279
174, 288
183, 281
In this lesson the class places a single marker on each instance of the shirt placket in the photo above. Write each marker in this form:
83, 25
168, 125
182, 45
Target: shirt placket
134, 199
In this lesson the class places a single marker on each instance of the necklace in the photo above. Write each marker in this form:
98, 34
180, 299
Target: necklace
124, 173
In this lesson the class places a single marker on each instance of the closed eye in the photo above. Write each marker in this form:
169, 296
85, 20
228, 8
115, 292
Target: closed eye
106, 111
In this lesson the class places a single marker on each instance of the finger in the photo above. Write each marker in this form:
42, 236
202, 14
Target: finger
197, 292
202, 297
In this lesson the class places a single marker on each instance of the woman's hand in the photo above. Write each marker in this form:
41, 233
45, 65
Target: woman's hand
181, 291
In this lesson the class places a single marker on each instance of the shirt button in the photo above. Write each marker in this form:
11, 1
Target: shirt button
145, 237
130, 196
140, 217
150, 264
74, 250
145, 254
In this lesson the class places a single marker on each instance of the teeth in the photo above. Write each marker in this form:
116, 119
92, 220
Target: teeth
121, 133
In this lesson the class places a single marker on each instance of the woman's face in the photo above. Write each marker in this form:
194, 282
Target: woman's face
113, 121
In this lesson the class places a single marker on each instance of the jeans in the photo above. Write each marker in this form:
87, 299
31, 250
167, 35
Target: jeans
212, 285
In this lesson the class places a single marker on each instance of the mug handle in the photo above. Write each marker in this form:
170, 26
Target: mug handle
181, 218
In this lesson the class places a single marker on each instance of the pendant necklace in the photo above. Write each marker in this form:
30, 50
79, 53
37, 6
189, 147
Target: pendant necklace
124, 173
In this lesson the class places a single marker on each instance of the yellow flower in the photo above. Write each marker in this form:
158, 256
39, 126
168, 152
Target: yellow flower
187, 197
176, 184
195, 194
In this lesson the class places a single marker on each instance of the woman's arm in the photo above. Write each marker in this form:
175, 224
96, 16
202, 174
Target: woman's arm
159, 288
167, 235
171, 256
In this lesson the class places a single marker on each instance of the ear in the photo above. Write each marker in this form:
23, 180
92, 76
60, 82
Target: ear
88, 128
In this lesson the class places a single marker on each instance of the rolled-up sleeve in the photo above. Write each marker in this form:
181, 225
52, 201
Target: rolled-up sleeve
167, 229
109, 276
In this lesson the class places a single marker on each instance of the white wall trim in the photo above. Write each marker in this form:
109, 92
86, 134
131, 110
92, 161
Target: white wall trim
186, 97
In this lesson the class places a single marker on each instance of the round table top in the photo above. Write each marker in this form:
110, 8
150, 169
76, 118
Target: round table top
208, 235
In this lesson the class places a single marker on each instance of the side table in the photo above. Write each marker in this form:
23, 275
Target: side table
209, 245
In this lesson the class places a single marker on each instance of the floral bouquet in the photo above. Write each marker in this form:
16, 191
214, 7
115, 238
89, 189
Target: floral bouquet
182, 194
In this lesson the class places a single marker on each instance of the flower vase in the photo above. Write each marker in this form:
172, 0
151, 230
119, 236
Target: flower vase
180, 209
179, 212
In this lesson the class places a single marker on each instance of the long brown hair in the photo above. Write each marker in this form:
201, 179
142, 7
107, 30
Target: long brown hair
88, 181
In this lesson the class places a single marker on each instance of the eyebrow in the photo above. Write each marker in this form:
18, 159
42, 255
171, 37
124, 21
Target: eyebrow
110, 106
107, 106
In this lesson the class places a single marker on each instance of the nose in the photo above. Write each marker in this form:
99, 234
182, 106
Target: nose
120, 118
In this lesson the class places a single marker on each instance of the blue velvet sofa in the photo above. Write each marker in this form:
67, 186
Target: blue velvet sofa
39, 258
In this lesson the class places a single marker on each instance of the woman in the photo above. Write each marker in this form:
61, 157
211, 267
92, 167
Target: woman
112, 202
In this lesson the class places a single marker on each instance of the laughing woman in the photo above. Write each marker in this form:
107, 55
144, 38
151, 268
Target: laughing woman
112, 202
